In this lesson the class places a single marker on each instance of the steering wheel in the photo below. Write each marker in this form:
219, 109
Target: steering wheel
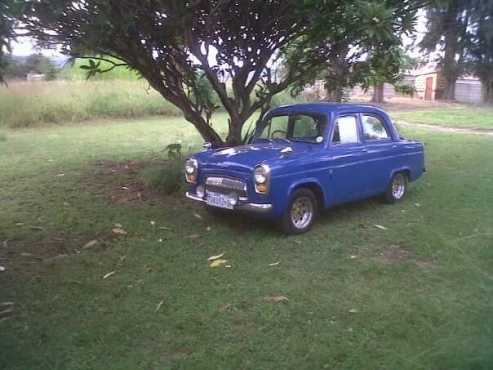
282, 132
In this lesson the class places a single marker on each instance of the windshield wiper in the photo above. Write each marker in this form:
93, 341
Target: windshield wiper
283, 139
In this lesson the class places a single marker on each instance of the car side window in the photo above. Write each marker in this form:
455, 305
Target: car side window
306, 127
345, 130
374, 128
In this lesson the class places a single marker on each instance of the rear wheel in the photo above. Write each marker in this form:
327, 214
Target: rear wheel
397, 188
301, 212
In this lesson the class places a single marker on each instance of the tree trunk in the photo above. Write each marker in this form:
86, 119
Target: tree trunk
487, 91
206, 131
336, 94
450, 66
235, 131
378, 94
449, 90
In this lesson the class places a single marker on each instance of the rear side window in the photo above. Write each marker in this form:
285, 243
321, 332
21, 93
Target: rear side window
345, 130
374, 128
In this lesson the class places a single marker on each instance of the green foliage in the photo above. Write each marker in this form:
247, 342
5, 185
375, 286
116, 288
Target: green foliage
172, 45
287, 97
448, 30
9, 9
366, 55
3, 136
167, 178
463, 31
174, 151
405, 89
19, 67
481, 62
73, 70
186, 49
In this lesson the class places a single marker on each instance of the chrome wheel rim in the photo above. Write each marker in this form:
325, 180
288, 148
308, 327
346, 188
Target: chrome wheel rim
398, 186
302, 212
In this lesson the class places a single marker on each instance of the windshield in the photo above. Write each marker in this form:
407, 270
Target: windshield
296, 127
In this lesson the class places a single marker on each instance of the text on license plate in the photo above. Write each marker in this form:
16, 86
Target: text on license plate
219, 200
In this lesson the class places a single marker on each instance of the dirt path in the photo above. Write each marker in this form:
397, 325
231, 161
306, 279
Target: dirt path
455, 130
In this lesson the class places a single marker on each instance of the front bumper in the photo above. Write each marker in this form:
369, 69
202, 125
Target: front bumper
242, 206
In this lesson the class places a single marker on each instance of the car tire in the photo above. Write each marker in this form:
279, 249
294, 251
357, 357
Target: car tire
397, 188
301, 212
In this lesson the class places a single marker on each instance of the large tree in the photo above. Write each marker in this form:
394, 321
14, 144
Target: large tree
237, 46
481, 58
368, 55
9, 9
448, 32
174, 43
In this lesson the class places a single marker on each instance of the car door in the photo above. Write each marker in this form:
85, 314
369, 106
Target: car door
347, 153
380, 151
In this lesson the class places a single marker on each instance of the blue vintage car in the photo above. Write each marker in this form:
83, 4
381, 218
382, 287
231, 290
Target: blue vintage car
304, 158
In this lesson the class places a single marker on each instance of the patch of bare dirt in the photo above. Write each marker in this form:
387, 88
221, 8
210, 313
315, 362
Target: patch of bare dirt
119, 182
23, 257
395, 254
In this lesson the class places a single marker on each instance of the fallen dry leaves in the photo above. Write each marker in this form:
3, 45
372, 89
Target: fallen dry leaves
218, 263
213, 258
276, 299
90, 244
159, 305
109, 274
118, 231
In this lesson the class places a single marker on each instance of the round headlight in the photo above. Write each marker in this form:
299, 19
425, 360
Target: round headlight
261, 174
191, 166
260, 178
190, 169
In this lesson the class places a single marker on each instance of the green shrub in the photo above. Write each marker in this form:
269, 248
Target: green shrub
404, 89
3, 136
167, 177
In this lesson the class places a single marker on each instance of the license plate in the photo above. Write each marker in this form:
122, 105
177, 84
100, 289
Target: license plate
219, 200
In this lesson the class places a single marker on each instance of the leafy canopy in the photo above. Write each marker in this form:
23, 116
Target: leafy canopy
247, 51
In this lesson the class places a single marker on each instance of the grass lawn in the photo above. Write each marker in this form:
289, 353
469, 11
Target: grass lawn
417, 295
452, 115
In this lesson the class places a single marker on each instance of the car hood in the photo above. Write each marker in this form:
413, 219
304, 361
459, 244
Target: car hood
244, 158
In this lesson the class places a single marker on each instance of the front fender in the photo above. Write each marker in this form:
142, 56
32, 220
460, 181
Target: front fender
283, 189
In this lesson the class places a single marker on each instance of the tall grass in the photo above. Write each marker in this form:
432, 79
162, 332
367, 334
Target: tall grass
25, 104
29, 104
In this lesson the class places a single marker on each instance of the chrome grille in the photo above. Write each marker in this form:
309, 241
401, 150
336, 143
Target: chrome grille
224, 183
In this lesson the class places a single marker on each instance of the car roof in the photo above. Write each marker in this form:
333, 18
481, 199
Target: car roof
327, 108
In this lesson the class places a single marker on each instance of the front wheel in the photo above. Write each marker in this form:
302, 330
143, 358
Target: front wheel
301, 212
397, 188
